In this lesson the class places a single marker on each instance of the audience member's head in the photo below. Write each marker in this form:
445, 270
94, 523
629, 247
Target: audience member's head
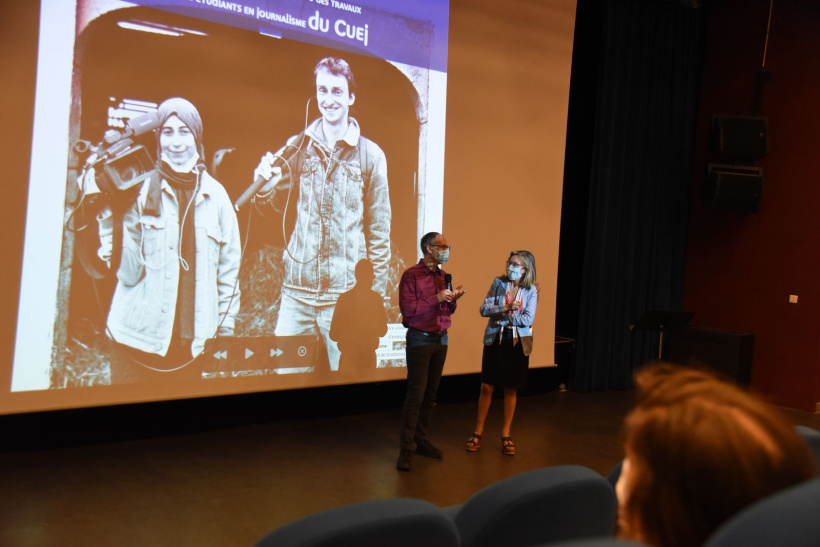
699, 449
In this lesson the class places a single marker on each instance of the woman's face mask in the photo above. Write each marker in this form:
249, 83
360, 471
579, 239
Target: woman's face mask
515, 268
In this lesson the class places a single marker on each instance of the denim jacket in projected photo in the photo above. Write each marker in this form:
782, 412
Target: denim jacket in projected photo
144, 304
341, 216
493, 307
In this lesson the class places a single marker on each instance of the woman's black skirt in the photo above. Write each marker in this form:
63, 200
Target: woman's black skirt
505, 364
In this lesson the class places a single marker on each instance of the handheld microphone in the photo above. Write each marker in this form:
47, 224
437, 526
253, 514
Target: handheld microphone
448, 282
280, 160
258, 183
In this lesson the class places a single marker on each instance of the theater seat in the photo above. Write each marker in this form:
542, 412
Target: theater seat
812, 438
789, 517
545, 505
615, 474
399, 522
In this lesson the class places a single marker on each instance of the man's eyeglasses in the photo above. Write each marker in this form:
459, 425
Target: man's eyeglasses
445, 247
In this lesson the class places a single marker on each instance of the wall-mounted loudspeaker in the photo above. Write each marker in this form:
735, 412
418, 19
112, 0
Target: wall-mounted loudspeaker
740, 137
733, 188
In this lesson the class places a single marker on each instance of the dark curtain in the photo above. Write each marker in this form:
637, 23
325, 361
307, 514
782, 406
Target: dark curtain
639, 184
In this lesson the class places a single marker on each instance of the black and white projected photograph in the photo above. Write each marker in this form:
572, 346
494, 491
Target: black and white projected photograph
238, 185
220, 198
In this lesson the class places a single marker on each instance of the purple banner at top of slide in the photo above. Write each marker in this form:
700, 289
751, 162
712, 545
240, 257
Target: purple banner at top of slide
413, 32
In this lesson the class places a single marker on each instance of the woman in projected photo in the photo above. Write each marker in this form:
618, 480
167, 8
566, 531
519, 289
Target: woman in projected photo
510, 306
177, 278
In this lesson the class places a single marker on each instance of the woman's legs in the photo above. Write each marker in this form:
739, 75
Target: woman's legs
484, 400
510, 398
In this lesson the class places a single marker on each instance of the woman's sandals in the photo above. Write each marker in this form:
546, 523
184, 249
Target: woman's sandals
507, 446
473, 443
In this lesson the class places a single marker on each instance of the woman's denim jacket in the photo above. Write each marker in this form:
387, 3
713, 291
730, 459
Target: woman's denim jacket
144, 304
493, 307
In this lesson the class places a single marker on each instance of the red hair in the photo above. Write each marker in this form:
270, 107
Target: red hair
700, 449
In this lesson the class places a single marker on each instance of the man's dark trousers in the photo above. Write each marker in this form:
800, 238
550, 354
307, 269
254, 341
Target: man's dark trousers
425, 363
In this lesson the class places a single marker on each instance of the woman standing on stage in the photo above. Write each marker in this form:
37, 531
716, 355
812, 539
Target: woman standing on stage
510, 306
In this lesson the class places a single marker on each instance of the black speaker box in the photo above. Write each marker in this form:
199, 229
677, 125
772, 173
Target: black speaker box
733, 188
740, 137
724, 351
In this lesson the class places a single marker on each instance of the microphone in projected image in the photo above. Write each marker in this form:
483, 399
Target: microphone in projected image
282, 159
448, 282
141, 124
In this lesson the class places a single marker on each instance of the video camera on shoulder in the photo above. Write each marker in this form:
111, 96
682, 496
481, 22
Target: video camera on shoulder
119, 163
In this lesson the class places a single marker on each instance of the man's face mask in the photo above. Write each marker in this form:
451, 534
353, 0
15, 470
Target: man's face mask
442, 255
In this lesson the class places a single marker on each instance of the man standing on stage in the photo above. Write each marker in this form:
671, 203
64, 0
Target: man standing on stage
427, 302
342, 213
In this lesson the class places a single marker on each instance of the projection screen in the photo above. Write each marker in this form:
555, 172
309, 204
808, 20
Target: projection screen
269, 301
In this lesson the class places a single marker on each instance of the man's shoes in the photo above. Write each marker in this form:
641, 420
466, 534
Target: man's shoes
405, 460
426, 448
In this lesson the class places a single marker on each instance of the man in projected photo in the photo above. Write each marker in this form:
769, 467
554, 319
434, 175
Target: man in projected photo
342, 213
176, 281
